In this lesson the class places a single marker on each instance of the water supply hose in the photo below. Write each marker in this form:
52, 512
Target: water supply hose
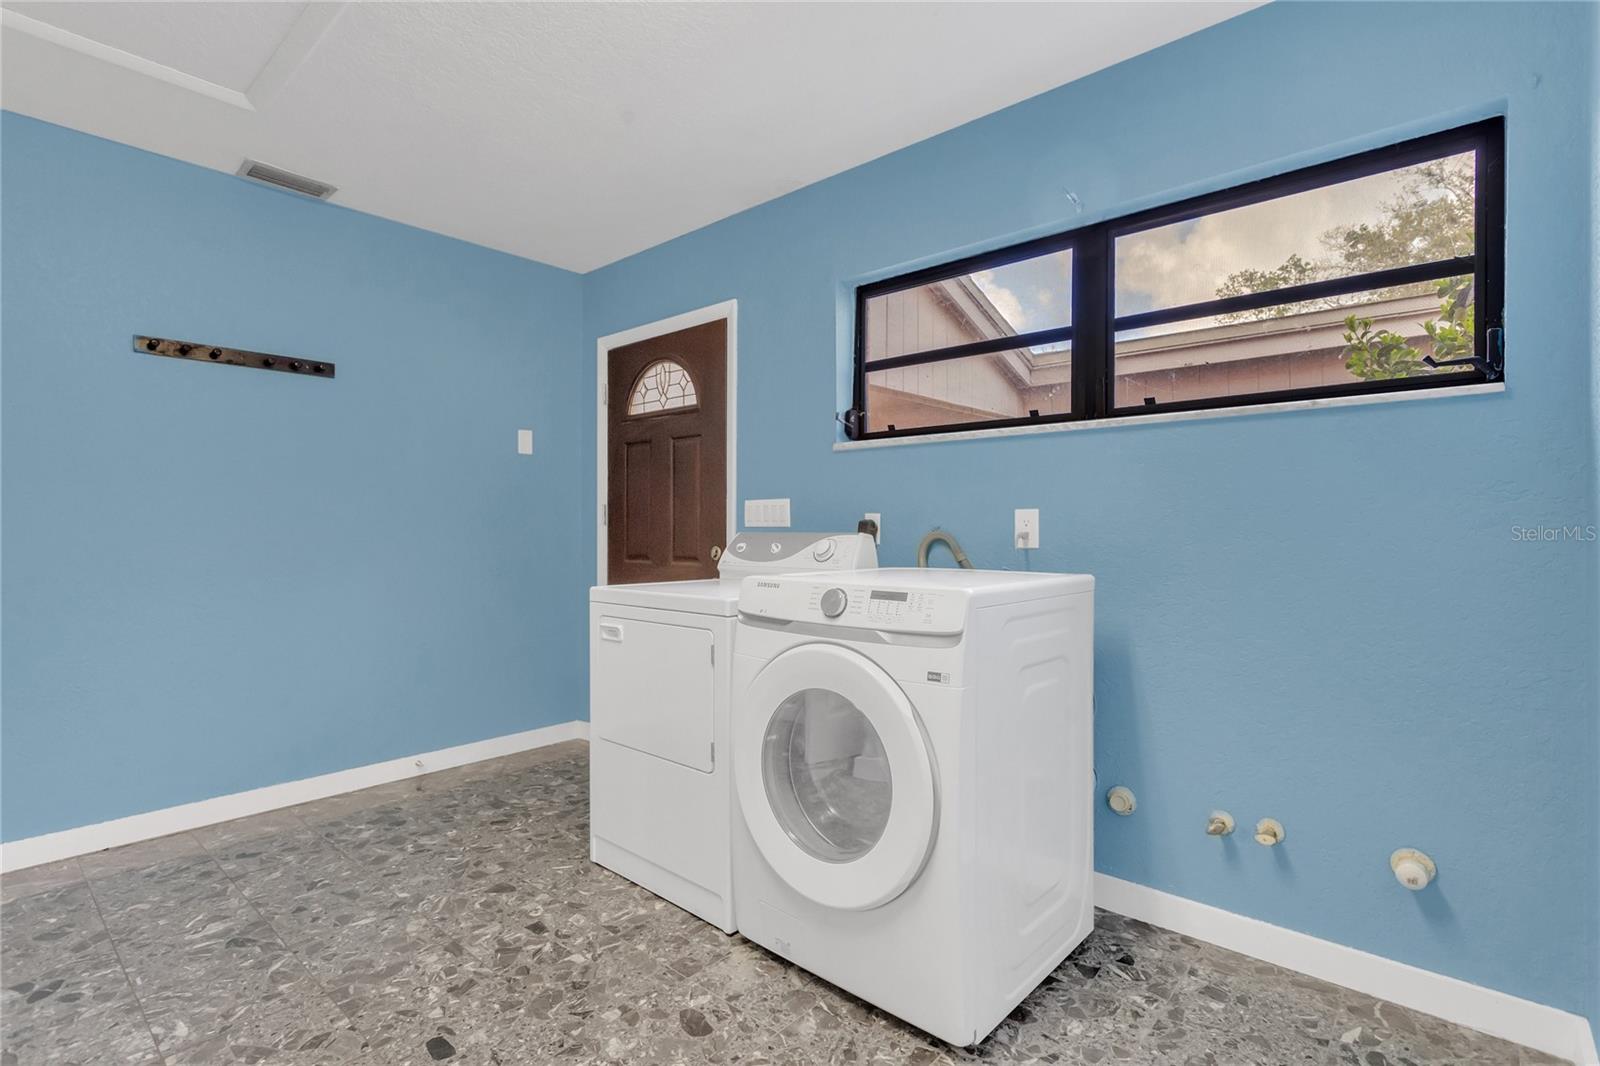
939, 536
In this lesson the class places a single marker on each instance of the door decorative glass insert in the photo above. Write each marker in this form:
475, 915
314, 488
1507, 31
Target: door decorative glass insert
826, 775
662, 386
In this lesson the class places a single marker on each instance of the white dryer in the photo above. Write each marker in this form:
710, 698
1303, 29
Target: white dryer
913, 761
660, 664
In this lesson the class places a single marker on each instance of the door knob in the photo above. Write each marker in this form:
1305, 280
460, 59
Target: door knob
716, 552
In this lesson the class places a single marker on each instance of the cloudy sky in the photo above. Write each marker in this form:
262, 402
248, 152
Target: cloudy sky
1033, 294
1186, 262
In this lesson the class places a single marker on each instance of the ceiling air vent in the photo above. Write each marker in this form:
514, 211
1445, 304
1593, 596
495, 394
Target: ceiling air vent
283, 179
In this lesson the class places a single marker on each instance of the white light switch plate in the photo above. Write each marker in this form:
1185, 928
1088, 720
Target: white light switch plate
1025, 533
766, 514
524, 442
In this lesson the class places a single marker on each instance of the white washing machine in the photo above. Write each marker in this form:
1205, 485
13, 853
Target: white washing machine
913, 761
660, 664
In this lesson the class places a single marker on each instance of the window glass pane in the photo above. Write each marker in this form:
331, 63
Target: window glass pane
978, 388
1021, 297
662, 386
1416, 214
1370, 336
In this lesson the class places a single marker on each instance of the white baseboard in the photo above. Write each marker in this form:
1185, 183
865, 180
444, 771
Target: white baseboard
48, 847
1521, 1021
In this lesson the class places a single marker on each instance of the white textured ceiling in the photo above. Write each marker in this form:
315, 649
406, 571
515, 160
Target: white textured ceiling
574, 134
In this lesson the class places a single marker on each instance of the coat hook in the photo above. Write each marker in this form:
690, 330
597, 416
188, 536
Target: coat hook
216, 353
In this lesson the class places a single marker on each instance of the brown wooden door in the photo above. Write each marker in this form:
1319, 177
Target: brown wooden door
667, 425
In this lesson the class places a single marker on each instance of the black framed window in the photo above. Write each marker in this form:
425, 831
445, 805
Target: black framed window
1373, 273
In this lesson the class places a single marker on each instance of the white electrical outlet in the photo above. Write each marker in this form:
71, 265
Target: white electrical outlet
1026, 528
524, 442
874, 516
766, 514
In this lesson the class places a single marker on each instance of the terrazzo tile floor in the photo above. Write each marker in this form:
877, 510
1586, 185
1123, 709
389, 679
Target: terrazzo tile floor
457, 918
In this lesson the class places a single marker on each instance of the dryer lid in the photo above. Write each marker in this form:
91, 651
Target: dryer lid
713, 596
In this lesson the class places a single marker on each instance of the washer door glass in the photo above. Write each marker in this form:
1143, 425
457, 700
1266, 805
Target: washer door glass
827, 775
834, 777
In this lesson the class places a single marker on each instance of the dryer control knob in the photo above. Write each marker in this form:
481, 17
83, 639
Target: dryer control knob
823, 551
834, 601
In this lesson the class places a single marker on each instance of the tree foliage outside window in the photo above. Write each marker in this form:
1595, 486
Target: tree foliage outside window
1374, 355
1431, 218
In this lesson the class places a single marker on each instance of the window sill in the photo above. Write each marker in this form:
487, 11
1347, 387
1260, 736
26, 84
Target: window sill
1175, 416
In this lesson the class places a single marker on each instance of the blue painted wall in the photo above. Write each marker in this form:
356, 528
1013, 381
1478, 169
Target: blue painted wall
1594, 391
216, 579
1319, 616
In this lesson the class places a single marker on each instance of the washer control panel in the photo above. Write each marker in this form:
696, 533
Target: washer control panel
801, 598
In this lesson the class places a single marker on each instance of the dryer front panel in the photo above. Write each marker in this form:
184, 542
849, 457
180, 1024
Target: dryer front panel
835, 777
652, 684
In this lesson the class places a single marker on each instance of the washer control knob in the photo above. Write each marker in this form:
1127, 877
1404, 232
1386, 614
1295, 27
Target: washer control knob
823, 551
834, 601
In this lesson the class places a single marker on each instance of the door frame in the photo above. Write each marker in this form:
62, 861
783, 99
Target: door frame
727, 310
